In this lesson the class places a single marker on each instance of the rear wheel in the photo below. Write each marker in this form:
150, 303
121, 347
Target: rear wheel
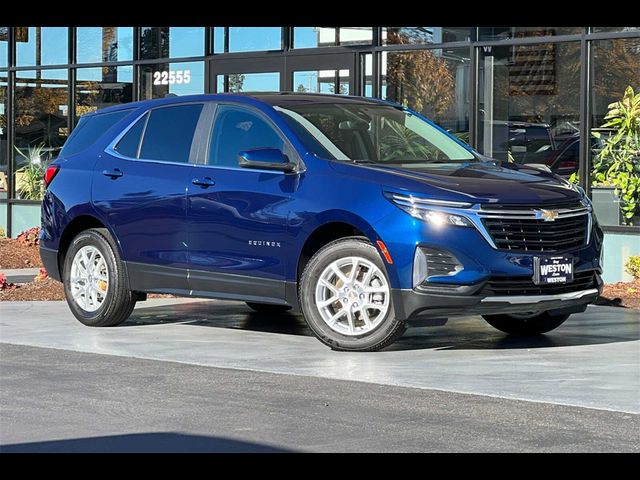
532, 324
267, 307
345, 296
95, 283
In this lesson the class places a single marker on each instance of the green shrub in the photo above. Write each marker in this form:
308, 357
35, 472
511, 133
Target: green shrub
633, 266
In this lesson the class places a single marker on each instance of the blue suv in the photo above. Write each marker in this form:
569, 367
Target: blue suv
360, 213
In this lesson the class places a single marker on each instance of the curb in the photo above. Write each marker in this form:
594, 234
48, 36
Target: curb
20, 275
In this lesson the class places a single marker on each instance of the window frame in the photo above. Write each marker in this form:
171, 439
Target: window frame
195, 141
289, 149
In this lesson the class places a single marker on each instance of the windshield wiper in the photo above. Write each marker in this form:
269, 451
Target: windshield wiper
363, 161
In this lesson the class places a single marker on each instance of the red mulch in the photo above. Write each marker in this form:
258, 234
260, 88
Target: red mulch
48, 289
14, 254
621, 294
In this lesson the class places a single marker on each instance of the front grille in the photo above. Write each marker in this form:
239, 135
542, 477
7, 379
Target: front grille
520, 228
518, 285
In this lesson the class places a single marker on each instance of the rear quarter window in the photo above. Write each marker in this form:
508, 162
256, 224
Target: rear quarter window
89, 130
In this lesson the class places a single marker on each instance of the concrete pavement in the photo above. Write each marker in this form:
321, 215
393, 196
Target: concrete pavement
593, 360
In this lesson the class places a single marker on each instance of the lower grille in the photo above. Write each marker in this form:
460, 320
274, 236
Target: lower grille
440, 262
511, 285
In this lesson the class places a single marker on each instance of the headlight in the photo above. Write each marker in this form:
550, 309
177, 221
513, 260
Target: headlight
434, 212
436, 218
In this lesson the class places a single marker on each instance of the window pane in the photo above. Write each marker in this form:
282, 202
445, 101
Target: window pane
218, 40
3, 136
366, 61
169, 133
128, 145
41, 46
40, 125
504, 33
4, 42
237, 129
615, 29
530, 104
161, 79
154, 42
424, 35
322, 81
102, 87
249, 82
616, 67
432, 82
106, 44
251, 39
89, 130
186, 42
312, 37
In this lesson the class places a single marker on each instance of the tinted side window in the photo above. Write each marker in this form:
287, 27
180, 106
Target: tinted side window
90, 129
237, 129
129, 143
169, 133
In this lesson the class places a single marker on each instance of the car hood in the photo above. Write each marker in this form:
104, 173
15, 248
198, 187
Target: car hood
476, 182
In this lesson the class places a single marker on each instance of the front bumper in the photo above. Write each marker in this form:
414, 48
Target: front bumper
466, 300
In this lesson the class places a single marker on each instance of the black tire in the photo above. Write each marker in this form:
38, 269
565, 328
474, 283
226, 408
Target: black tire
267, 307
536, 325
119, 300
389, 329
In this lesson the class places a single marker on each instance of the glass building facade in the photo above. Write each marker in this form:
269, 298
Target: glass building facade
526, 94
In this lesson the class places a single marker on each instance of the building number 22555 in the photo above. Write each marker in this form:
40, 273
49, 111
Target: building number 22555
171, 77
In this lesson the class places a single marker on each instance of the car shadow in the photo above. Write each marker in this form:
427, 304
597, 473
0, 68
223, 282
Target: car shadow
154, 442
598, 325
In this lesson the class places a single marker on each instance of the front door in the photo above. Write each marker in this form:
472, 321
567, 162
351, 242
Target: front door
237, 217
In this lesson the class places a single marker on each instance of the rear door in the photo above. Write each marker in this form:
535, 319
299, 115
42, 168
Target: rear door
139, 188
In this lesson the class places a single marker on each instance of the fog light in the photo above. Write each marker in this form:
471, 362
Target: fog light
433, 262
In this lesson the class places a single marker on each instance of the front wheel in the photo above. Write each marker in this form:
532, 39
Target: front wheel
534, 324
345, 297
95, 283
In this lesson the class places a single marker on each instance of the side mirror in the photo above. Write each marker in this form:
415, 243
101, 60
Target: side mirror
265, 159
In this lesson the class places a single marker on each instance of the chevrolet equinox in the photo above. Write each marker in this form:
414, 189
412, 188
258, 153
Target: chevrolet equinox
360, 213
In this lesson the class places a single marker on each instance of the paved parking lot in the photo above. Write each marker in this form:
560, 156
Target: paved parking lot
580, 383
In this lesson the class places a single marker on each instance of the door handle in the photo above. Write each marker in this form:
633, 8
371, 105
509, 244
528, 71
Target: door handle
204, 182
115, 173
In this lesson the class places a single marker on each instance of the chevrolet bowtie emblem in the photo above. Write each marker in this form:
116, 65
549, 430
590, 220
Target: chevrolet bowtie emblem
546, 215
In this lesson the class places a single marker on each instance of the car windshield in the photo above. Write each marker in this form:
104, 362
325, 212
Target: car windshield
362, 132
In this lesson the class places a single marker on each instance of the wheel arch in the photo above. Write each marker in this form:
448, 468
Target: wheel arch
332, 226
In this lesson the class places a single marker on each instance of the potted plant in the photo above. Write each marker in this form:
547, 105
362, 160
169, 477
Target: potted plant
30, 177
616, 168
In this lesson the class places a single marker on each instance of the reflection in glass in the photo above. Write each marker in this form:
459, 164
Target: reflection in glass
4, 42
615, 29
104, 44
248, 82
41, 46
102, 87
615, 148
529, 104
505, 33
424, 35
40, 126
432, 82
3, 136
251, 39
312, 37
162, 79
321, 81
165, 42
